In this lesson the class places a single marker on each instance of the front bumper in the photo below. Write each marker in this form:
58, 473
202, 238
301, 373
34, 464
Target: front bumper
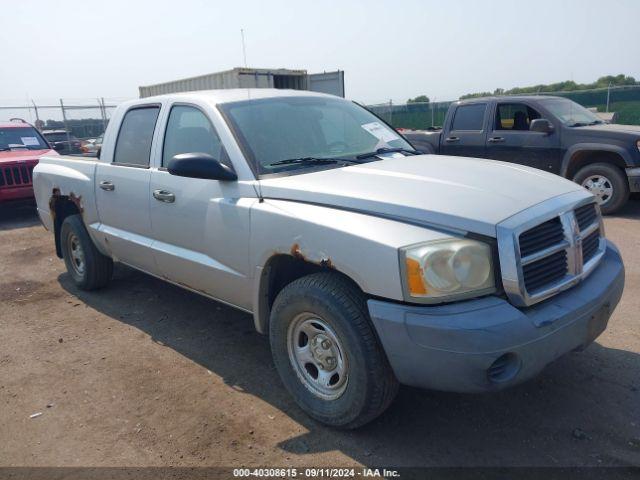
16, 193
488, 344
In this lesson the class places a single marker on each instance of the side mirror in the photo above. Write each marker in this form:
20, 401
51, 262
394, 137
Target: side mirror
58, 147
200, 165
541, 125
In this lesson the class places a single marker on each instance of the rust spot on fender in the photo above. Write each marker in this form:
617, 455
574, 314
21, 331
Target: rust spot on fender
323, 261
77, 201
326, 262
295, 251
57, 196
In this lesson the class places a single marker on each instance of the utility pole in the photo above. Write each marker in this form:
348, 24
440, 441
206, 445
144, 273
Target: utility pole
608, 94
35, 107
432, 114
66, 127
103, 113
244, 49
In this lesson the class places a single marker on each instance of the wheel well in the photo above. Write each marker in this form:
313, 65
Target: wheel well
61, 207
279, 271
586, 157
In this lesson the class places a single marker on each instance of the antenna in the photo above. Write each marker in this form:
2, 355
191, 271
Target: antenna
244, 49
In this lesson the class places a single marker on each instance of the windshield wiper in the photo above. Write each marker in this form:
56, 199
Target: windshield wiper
311, 161
383, 150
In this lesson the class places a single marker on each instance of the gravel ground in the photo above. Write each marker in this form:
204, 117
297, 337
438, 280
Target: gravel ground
146, 374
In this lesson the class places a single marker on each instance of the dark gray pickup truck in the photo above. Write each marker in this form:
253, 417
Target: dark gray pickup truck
550, 133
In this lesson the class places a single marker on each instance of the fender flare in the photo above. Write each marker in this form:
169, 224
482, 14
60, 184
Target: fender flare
601, 147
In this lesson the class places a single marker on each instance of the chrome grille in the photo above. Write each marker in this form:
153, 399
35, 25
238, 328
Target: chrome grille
545, 271
549, 248
540, 237
590, 246
16, 176
586, 215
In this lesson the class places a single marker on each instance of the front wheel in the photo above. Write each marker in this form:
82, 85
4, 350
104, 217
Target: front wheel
607, 182
326, 351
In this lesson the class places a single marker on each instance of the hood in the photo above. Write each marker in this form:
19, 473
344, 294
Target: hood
458, 193
20, 155
607, 128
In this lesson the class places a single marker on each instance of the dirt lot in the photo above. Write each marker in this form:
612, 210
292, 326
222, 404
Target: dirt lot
144, 373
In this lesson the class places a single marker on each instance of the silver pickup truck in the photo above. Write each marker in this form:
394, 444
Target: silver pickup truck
367, 264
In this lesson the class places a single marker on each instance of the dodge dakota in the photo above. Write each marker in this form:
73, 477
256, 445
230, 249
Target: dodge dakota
368, 264
553, 134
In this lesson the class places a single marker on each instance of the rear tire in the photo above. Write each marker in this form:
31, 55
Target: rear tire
88, 268
343, 378
607, 182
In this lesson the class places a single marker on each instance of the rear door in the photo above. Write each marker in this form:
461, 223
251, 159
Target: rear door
466, 133
122, 189
510, 139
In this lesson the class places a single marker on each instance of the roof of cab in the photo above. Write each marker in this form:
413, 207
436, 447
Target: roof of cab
231, 95
506, 97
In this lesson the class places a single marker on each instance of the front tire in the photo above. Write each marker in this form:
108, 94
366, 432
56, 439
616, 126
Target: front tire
326, 351
607, 182
88, 268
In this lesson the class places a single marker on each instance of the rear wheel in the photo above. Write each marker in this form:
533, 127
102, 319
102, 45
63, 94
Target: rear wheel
88, 268
327, 353
607, 182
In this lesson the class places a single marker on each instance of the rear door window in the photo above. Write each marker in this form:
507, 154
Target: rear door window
133, 147
469, 117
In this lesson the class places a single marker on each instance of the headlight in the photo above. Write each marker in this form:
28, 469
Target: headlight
446, 270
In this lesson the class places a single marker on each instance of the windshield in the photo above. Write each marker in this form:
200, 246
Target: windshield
570, 113
285, 128
21, 137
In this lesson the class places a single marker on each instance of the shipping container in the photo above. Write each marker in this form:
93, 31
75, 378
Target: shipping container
326, 82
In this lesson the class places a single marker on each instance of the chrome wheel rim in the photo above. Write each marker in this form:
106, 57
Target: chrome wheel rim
76, 254
317, 356
600, 186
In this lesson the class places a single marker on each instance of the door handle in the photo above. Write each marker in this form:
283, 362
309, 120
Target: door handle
496, 139
107, 185
164, 196
452, 139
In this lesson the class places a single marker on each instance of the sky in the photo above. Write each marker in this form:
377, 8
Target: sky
389, 50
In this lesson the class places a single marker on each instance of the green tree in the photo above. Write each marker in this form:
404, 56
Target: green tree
566, 86
419, 99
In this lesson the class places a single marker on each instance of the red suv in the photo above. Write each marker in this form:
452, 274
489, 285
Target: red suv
21, 146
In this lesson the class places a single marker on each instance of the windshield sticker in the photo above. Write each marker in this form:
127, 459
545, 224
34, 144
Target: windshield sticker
29, 141
380, 132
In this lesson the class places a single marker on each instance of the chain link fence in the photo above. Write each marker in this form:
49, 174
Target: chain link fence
83, 120
76, 123
623, 102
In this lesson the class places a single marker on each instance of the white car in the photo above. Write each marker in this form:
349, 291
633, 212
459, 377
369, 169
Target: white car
91, 146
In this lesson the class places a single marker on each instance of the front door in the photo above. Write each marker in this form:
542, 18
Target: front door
200, 227
122, 190
510, 139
